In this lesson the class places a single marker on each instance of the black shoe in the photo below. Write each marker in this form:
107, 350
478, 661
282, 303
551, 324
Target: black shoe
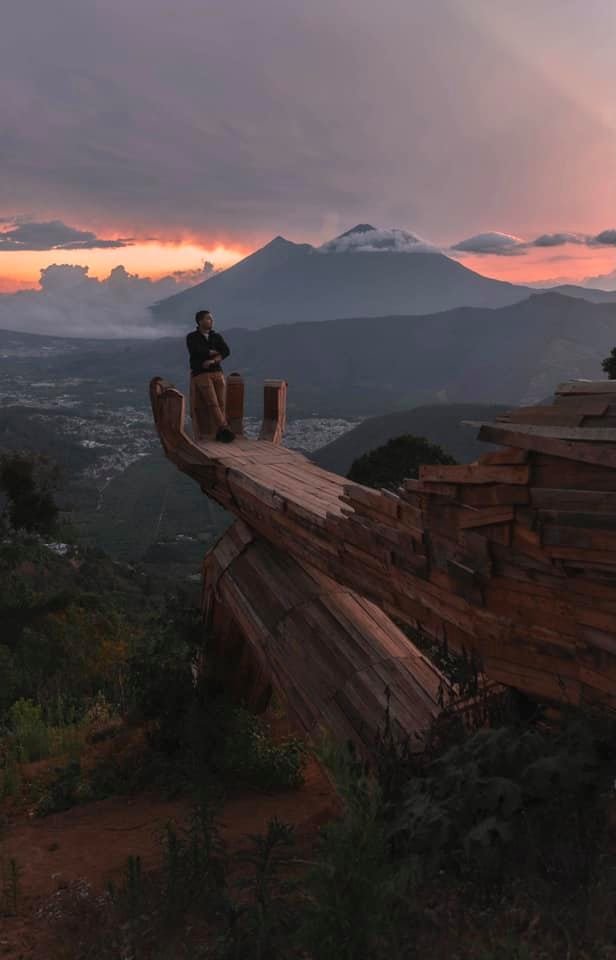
224, 435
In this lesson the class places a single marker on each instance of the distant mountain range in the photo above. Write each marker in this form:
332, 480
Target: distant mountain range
363, 273
511, 355
363, 366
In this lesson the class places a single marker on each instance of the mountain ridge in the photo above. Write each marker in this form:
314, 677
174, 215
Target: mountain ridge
287, 281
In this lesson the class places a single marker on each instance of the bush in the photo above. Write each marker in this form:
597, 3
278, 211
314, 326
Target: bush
28, 482
609, 365
398, 459
30, 732
248, 753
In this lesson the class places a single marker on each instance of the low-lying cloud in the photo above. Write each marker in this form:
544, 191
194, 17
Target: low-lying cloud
70, 303
501, 244
506, 245
367, 239
19, 234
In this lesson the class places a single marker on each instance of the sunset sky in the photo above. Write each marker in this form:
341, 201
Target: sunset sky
159, 136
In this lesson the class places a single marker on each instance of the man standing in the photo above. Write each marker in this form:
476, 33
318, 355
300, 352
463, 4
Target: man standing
207, 349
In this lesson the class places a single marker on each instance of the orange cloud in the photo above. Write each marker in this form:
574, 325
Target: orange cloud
155, 259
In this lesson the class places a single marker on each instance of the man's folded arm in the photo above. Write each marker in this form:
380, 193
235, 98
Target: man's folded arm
223, 349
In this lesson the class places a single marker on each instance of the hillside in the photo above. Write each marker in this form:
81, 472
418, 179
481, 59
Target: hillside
586, 293
361, 366
440, 424
151, 512
512, 355
287, 282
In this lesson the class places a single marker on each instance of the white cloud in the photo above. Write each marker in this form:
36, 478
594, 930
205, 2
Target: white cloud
501, 244
367, 239
71, 303
559, 239
506, 245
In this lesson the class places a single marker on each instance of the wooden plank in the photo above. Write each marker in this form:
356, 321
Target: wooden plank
585, 388
584, 538
588, 558
476, 473
484, 517
595, 422
584, 434
510, 455
543, 417
488, 495
437, 489
600, 454
576, 518
374, 499
556, 472
587, 406
600, 501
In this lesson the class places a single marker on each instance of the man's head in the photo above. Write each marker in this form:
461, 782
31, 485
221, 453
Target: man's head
204, 320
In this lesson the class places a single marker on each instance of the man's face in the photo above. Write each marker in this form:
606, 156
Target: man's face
205, 323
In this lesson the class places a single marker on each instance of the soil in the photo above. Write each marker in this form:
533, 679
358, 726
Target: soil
92, 843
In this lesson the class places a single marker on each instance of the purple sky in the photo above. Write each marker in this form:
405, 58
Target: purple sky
233, 120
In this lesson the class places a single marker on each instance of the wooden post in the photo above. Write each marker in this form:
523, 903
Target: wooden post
274, 411
235, 403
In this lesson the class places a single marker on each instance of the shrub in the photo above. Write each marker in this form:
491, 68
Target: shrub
357, 900
609, 365
9, 886
28, 481
397, 460
261, 922
30, 731
249, 754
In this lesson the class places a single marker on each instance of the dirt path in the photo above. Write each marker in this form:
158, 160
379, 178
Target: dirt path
93, 842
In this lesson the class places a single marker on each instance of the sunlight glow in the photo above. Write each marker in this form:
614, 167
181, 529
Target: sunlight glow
21, 269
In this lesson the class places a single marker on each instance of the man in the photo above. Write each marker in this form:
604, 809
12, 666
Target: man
207, 349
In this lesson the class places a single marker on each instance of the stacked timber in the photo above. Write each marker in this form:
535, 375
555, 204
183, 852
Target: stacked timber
517, 552
513, 557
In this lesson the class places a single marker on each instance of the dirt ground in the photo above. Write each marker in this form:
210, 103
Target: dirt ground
92, 843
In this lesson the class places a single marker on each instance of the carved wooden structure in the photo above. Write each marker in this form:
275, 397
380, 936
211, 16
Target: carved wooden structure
513, 556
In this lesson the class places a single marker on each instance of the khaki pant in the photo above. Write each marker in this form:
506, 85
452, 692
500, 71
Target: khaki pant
207, 404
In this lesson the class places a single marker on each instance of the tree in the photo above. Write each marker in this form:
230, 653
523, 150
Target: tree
28, 482
609, 365
389, 465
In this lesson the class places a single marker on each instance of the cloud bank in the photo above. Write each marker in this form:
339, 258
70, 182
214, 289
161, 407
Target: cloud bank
70, 303
507, 245
234, 121
51, 235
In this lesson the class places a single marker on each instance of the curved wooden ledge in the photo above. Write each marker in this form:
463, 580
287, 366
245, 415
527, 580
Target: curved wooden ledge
336, 658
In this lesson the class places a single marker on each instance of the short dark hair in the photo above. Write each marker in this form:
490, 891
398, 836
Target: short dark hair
200, 314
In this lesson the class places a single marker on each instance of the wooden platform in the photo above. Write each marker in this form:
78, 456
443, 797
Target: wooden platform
513, 556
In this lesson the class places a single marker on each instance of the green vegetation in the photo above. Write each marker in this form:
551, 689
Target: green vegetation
91, 650
398, 459
28, 483
9, 886
609, 365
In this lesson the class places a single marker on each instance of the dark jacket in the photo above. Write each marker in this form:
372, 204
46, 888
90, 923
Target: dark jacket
200, 349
